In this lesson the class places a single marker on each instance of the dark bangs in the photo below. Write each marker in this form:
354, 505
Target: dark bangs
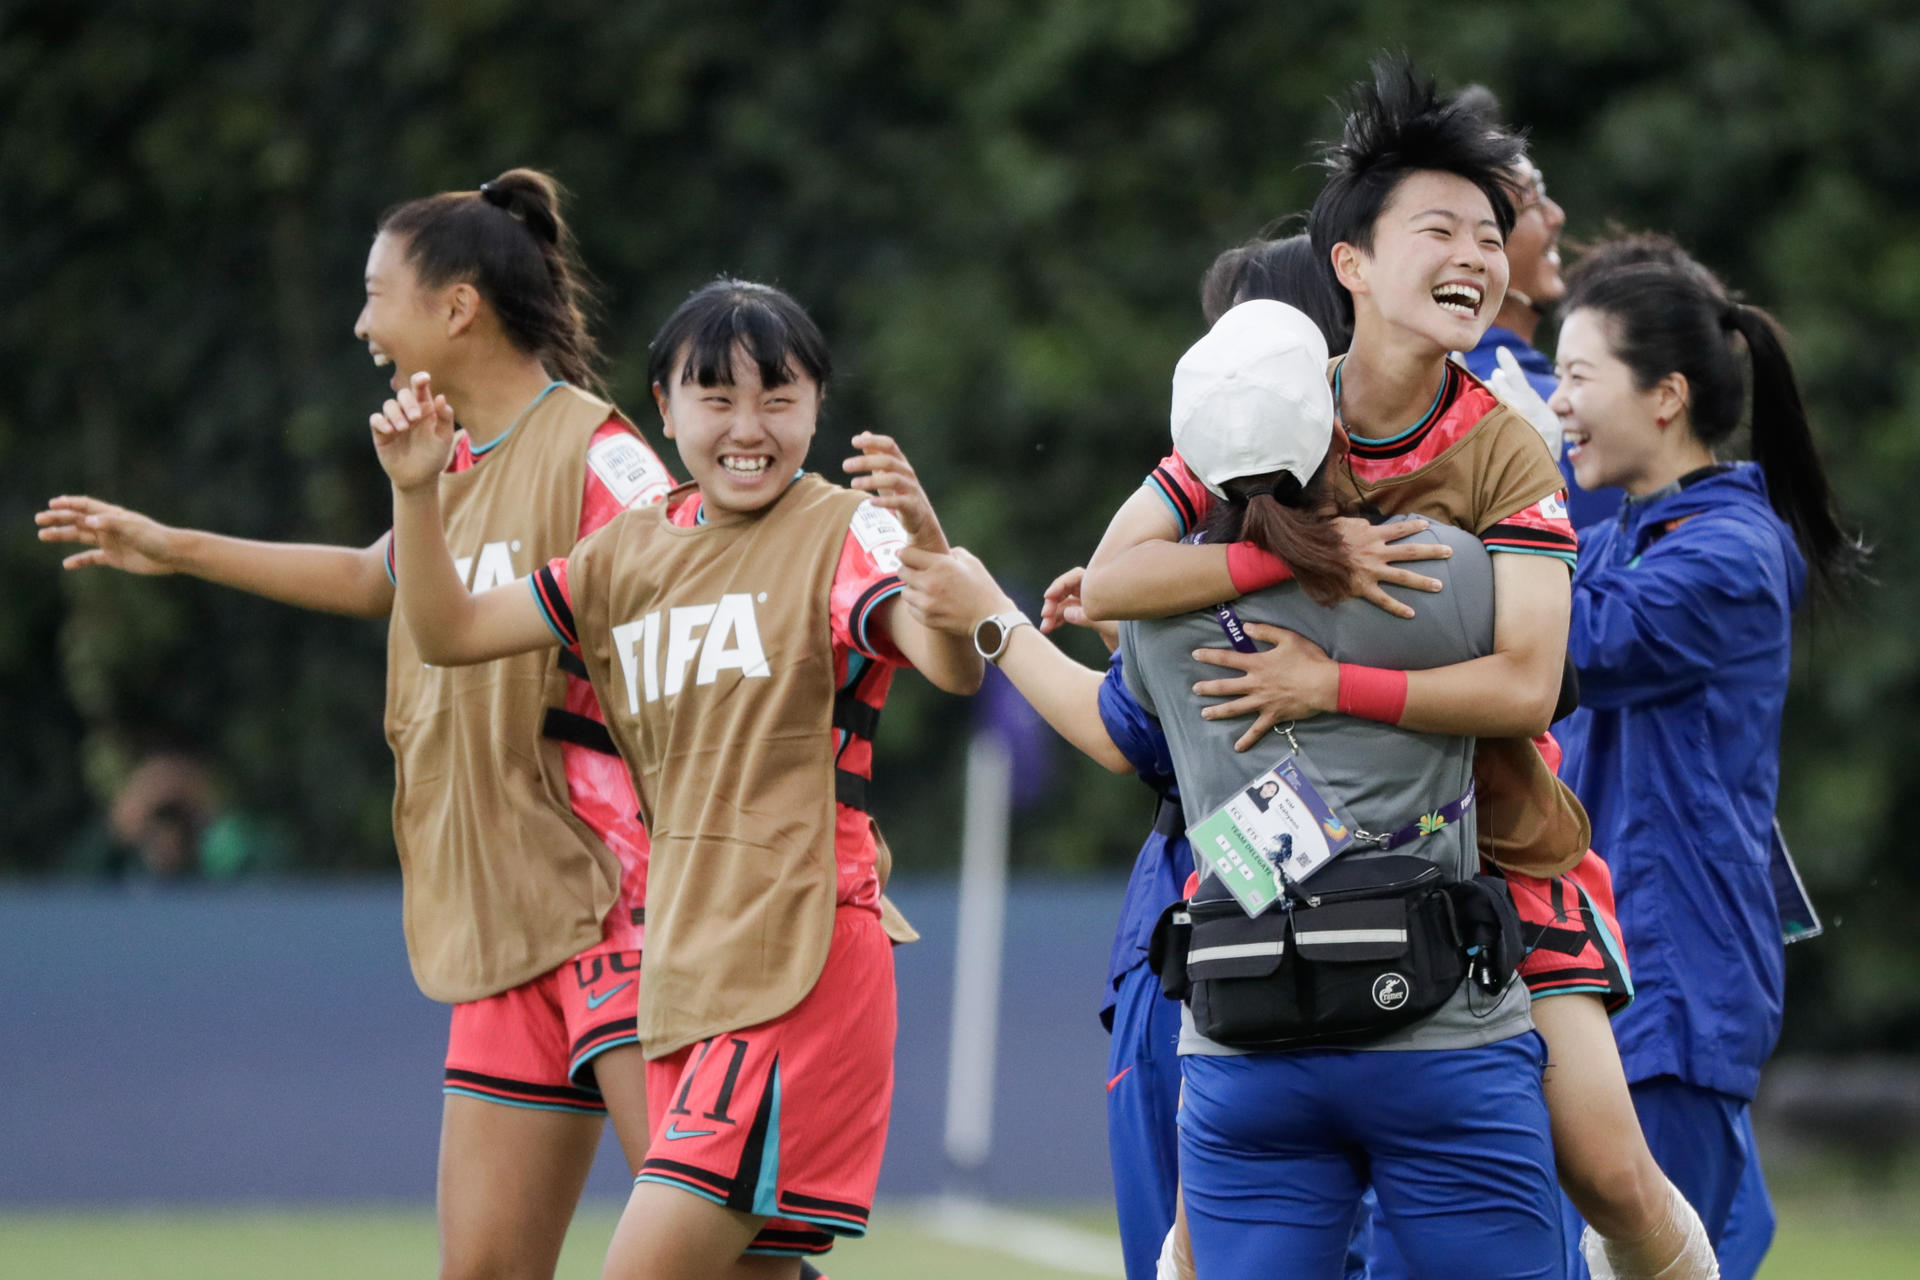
775, 331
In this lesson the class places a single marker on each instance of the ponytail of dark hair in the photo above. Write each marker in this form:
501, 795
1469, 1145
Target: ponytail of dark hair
1668, 314
1292, 521
1783, 446
510, 243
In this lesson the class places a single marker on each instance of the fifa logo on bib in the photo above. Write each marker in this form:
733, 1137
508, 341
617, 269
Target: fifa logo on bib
493, 569
1390, 991
722, 637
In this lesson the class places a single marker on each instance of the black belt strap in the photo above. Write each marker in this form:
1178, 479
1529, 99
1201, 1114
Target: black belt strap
854, 716
569, 662
850, 789
1169, 819
581, 731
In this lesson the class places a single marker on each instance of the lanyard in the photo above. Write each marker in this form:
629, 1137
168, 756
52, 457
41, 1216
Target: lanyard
1425, 825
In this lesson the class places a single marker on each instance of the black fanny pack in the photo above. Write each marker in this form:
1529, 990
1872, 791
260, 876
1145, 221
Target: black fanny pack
1369, 945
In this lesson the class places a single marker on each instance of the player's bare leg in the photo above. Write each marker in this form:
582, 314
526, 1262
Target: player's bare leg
621, 1075
669, 1234
1645, 1227
510, 1178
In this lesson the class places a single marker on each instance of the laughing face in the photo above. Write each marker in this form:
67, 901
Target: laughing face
1534, 247
742, 441
399, 322
1438, 267
1614, 434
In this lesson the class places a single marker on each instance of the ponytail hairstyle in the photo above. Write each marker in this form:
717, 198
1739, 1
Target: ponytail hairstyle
1286, 270
508, 241
1290, 520
1666, 314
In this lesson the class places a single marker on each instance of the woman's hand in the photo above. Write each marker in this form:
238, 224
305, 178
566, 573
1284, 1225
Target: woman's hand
1293, 680
1062, 605
116, 537
1374, 550
881, 469
950, 592
413, 434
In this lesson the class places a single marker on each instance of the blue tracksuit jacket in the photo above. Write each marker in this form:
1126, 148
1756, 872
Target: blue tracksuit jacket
1161, 869
1681, 631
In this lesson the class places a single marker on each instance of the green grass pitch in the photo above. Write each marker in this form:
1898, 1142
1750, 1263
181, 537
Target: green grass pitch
1822, 1235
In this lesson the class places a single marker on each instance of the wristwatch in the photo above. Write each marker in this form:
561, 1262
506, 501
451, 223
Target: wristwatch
990, 635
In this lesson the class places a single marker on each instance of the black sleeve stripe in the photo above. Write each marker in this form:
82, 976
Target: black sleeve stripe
1164, 478
869, 600
554, 601
1528, 535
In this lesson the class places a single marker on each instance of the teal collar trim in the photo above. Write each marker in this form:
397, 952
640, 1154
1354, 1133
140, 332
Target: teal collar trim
478, 450
700, 516
1425, 418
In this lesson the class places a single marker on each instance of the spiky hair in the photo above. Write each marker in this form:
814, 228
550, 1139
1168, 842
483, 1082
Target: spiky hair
1397, 125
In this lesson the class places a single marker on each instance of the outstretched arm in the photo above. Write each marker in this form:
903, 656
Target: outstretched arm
347, 580
883, 470
450, 627
1140, 571
1510, 693
950, 593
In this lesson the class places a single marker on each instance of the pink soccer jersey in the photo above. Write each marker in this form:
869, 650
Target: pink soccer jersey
1540, 528
866, 577
622, 473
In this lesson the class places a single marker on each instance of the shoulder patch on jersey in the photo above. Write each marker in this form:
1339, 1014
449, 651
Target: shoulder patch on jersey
880, 534
631, 472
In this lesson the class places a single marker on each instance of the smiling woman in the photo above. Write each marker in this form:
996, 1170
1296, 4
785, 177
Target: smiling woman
744, 637
739, 381
523, 902
1682, 631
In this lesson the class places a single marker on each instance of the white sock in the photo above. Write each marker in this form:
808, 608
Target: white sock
1175, 1262
1677, 1249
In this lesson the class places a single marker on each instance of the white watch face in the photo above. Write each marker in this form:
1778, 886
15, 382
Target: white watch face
990, 634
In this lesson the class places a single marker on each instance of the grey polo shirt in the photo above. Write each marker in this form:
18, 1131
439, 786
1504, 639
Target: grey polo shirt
1384, 777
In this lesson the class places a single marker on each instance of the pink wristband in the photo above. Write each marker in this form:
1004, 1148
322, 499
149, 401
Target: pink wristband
1252, 567
1371, 693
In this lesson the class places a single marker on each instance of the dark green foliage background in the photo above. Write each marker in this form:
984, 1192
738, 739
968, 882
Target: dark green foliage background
998, 210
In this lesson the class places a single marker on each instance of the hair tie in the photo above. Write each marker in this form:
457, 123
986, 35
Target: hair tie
1287, 489
1730, 316
495, 195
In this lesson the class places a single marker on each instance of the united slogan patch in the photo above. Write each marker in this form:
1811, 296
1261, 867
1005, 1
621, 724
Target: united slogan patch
630, 471
880, 534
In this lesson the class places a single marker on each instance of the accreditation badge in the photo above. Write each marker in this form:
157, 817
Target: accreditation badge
1280, 827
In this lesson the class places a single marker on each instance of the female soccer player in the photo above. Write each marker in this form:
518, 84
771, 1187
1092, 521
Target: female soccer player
743, 638
1413, 218
1681, 629
523, 860
1444, 1116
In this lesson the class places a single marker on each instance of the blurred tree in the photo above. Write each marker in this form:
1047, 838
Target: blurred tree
999, 211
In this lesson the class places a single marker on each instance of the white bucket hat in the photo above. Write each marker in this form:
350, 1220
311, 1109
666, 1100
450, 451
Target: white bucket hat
1251, 398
